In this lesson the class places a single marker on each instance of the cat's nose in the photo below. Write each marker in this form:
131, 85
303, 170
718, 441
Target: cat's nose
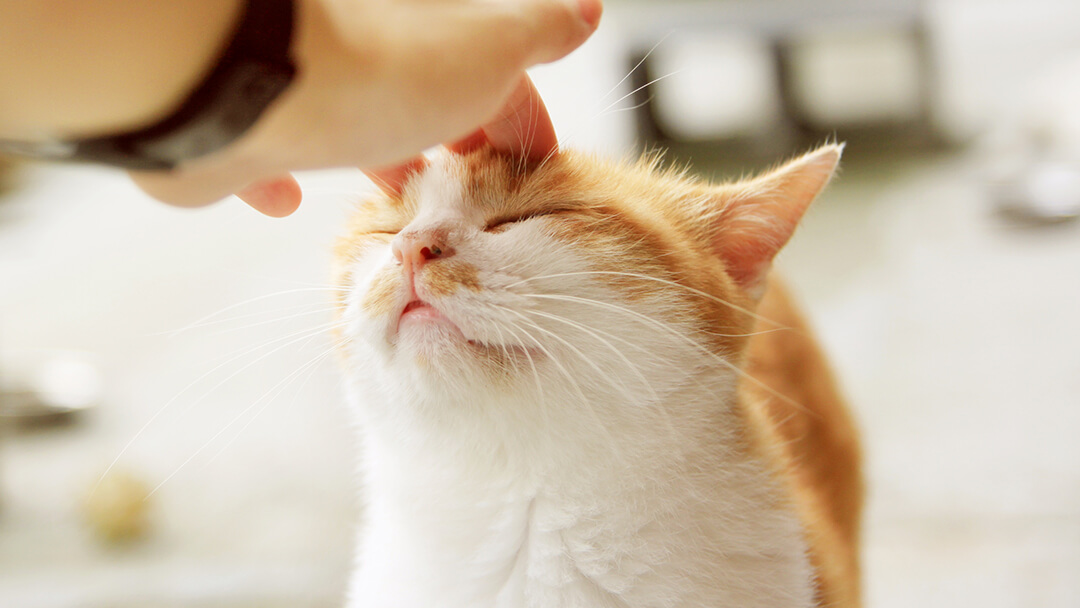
415, 248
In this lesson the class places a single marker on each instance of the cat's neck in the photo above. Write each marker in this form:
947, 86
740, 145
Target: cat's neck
588, 523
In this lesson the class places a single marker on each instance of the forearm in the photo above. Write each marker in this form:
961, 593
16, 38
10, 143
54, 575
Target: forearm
72, 68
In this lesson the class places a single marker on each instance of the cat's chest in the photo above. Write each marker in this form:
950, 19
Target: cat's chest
543, 551
508, 554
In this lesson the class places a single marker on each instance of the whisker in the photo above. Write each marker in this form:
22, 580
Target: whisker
169, 403
312, 365
558, 364
233, 421
532, 364
619, 353
278, 319
585, 402
599, 371
703, 294
631, 93
304, 335
635, 68
200, 320
567, 138
502, 347
275, 312
627, 108
686, 339
665, 415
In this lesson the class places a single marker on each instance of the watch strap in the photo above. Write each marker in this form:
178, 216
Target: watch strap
251, 73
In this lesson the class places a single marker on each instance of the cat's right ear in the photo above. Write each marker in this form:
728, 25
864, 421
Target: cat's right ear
751, 220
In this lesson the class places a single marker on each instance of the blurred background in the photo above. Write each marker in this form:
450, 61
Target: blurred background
184, 352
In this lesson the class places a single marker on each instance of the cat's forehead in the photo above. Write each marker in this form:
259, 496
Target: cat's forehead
480, 184
440, 186
483, 186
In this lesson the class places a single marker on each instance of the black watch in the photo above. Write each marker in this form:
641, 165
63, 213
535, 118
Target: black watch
251, 73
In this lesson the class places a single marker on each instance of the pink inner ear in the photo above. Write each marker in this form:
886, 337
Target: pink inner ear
748, 258
758, 217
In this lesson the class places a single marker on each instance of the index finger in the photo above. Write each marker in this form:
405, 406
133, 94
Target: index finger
522, 127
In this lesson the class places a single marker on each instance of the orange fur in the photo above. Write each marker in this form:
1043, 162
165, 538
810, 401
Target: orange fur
815, 444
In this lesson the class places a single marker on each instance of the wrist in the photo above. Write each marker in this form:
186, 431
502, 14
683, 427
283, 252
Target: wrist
247, 76
111, 65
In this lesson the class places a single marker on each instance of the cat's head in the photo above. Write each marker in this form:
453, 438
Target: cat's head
574, 281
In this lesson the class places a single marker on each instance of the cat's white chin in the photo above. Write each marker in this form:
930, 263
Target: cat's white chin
426, 330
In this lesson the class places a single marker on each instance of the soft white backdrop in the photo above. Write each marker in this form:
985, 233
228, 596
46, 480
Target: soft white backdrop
954, 334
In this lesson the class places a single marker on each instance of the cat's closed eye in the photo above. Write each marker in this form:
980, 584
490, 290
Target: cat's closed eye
504, 222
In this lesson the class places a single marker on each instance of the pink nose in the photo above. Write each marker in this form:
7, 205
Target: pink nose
415, 248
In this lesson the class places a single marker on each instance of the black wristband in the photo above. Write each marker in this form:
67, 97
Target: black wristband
249, 76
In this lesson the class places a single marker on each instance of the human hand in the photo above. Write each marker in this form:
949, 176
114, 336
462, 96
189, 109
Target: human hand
380, 82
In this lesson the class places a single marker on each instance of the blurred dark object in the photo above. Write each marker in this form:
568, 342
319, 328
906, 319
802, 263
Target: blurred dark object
24, 411
52, 390
773, 77
8, 169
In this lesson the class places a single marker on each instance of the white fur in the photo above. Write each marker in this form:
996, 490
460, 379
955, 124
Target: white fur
604, 469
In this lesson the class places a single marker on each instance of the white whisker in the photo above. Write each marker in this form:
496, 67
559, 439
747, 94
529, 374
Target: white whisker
278, 318
686, 339
281, 319
601, 373
646, 277
312, 365
532, 364
631, 93
648, 385
205, 318
234, 420
635, 68
585, 402
306, 335
627, 108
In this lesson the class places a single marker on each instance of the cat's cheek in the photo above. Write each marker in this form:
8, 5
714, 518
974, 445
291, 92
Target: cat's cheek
373, 299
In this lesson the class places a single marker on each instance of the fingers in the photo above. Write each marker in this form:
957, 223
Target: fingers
185, 189
392, 179
523, 127
474, 141
276, 197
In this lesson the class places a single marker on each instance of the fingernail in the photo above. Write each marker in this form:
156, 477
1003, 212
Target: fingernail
591, 10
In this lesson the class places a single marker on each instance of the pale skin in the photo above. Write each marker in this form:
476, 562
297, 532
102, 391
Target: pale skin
380, 81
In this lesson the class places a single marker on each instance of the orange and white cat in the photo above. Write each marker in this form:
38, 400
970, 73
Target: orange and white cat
566, 398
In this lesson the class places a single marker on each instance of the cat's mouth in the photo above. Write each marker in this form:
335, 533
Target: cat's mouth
418, 314
419, 311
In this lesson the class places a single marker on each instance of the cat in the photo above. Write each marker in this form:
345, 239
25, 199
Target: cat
565, 397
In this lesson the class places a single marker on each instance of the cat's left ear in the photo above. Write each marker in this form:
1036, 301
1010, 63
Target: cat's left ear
753, 219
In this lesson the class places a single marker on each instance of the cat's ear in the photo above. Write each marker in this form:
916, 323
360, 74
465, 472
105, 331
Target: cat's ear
753, 219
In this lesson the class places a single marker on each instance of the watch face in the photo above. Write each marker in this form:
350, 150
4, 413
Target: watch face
47, 149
